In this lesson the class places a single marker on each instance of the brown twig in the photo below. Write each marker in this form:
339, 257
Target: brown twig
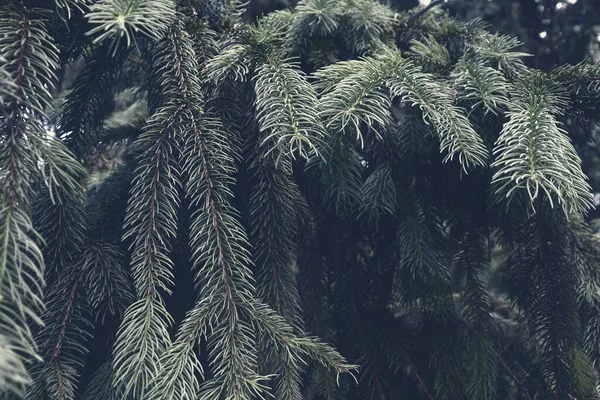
512, 375
413, 369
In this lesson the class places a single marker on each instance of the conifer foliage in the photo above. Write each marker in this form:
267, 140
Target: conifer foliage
309, 207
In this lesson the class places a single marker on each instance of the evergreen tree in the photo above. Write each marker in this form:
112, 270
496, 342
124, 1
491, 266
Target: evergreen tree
553, 31
306, 207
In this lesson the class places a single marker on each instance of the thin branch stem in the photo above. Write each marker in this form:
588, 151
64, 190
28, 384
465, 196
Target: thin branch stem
512, 375
414, 369
428, 7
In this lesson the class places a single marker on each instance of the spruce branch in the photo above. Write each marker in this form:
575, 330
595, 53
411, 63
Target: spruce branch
534, 155
326, 79
421, 272
282, 334
378, 197
447, 359
137, 351
220, 259
151, 223
108, 287
431, 54
30, 66
65, 8
13, 373
476, 310
357, 99
79, 119
179, 365
482, 85
115, 19
499, 50
155, 189
542, 261
275, 256
457, 136
178, 371
286, 109
57, 210
25, 39
101, 386
63, 338
368, 25
81, 291
313, 18
341, 177
21, 283
273, 236
66, 317
219, 255
230, 63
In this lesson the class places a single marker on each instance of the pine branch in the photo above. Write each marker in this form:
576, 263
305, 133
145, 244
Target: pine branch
179, 365
543, 262
477, 307
341, 177
272, 234
313, 18
282, 335
482, 85
379, 196
457, 136
63, 338
31, 62
523, 160
107, 284
286, 109
357, 99
101, 386
114, 19
79, 118
65, 8
151, 222
220, 257
368, 25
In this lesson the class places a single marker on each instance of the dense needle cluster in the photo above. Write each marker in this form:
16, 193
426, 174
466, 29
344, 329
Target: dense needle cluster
337, 201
